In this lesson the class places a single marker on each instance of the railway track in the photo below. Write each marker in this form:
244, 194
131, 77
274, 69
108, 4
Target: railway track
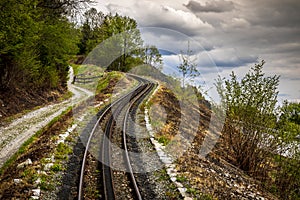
111, 127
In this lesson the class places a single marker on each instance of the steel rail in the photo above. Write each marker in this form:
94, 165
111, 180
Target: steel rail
128, 162
135, 94
104, 112
106, 151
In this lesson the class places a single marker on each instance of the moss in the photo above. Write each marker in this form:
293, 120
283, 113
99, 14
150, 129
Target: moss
181, 178
106, 80
56, 167
46, 184
62, 151
163, 140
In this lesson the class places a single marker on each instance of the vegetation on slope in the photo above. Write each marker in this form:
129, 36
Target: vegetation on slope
256, 137
36, 40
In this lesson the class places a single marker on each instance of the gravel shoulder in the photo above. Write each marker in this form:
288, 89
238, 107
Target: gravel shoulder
13, 135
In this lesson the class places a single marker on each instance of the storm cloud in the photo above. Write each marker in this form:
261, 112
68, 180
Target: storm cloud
235, 34
210, 6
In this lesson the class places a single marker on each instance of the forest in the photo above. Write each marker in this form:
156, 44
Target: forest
39, 39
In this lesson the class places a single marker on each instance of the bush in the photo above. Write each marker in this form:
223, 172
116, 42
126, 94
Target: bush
250, 119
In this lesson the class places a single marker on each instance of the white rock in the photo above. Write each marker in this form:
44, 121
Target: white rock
179, 185
188, 198
173, 175
36, 192
251, 195
171, 166
17, 181
173, 179
38, 181
182, 191
25, 163
48, 166
34, 197
171, 171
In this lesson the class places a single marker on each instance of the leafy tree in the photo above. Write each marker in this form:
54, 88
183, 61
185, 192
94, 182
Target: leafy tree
91, 32
151, 56
287, 176
17, 41
248, 131
36, 39
290, 112
187, 67
120, 41
130, 39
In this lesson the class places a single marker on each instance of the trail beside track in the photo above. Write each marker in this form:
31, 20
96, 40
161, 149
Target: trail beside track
13, 135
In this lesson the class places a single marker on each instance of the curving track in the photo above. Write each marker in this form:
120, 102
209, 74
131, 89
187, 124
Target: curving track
119, 110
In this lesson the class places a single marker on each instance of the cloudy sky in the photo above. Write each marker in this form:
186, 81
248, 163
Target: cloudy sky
224, 35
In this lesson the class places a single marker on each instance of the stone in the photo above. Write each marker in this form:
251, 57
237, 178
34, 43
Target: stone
36, 192
179, 185
48, 166
17, 181
182, 190
25, 163
173, 179
38, 181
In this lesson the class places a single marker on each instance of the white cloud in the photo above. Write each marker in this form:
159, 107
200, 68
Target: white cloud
236, 23
148, 13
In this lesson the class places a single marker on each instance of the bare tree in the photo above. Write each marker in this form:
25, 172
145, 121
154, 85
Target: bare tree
188, 66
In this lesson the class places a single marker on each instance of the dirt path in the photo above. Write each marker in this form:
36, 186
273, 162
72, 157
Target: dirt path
17, 132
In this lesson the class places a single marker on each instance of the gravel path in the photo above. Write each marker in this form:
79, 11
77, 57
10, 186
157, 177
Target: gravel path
17, 132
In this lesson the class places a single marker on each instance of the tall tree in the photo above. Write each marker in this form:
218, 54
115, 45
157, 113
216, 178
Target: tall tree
120, 43
151, 56
91, 32
36, 39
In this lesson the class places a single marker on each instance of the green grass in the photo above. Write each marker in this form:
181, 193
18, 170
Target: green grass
75, 68
162, 175
46, 184
181, 179
56, 167
65, 96
88, 70
29, 174
104, 82
62, 151
163, 140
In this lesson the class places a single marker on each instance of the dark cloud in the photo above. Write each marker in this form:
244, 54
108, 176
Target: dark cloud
166, 52
239, 62
274, 13
211, 6
171, 42
283, 95
295, 79
234, 33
